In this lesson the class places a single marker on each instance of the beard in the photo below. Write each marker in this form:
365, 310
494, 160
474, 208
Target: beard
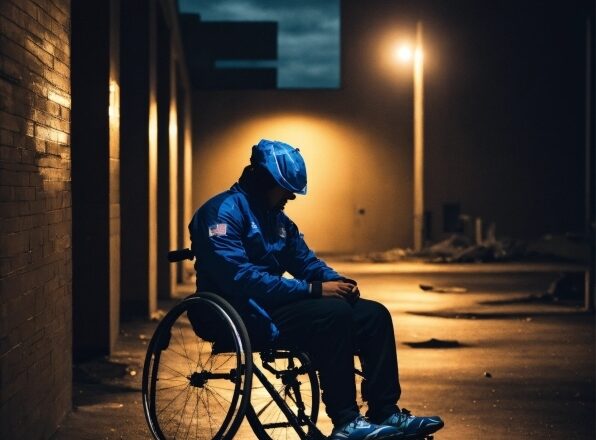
280, 206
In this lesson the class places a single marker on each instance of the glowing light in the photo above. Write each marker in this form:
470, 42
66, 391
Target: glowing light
114, 105
404, 53
418, 55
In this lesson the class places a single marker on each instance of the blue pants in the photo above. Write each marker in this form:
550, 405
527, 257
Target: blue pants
331, 330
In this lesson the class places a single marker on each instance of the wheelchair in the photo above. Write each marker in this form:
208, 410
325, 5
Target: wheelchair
200, 383
201, 379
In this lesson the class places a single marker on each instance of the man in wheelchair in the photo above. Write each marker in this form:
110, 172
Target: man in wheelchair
243, 244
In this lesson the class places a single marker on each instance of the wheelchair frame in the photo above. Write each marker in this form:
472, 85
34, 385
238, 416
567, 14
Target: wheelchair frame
184, 372
231, 365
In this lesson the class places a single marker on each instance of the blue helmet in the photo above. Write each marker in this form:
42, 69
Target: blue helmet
284, 162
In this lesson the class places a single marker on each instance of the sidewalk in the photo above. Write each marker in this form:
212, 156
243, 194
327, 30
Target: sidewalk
419, 267
522, 369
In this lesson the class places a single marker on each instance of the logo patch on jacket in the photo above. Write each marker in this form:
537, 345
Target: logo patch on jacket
282, 232
218, 230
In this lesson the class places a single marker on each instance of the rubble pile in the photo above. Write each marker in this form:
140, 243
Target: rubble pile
459, 248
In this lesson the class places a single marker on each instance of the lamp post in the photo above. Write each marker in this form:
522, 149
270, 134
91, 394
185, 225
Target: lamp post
418, 140
417, 58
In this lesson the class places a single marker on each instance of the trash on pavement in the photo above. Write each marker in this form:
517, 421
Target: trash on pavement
443, 289
434, 343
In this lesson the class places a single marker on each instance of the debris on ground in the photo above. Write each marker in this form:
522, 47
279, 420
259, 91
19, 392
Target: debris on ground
567, 286
487, 374
443, 289
565, 247
157, 315
99, 370
434, 343
459, 248
391, 255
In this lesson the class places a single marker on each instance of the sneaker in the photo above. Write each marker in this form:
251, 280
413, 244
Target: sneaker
361, 429
412, 427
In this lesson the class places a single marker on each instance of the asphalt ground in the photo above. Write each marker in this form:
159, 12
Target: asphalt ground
507, 362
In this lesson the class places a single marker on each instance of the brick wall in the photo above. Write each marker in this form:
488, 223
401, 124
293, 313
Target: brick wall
35, 217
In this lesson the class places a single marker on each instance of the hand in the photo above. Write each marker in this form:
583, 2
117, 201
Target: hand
340, 289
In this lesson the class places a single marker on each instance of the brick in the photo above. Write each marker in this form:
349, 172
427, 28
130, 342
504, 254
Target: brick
40, 145
62, 55
7, 193
45, 19
59, 98
29, 8
14, 51
60, 15
9, 122
13, 178
9, 224
10, 154
35, 217
20, 308
53, 185
34, 28
60, 82
6, 267
16, 15
6, 137
61, 6
53, 109
24, 193
61, 31
10, 29
33, 207
43, 4
20, 263
46, 58
64, 127
27, 156
11, 388
37, 85
65, 113
15, 102
43, 132
49, 161
13, 244
9, 210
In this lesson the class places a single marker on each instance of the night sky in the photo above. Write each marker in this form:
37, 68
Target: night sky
308, 42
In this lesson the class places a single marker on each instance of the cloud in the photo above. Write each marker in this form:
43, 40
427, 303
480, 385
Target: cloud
309, 43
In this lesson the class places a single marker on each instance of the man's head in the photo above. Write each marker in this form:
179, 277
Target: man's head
283, 167
284, 163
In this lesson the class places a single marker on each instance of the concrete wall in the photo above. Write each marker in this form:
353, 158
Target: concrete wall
505, 144
35, 217
357, 179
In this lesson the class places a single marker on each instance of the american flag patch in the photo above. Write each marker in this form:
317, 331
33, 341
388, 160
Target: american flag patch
218, 230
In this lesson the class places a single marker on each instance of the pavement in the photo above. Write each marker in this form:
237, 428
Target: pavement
505, 363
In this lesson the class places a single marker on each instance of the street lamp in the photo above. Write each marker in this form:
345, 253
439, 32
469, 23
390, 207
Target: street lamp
416, 56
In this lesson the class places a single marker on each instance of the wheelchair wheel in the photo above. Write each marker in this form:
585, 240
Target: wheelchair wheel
191, 388
296, 382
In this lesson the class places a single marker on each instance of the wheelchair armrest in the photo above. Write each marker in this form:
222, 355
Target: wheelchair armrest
180, 255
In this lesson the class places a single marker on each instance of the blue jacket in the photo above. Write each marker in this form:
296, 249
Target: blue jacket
242, 249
